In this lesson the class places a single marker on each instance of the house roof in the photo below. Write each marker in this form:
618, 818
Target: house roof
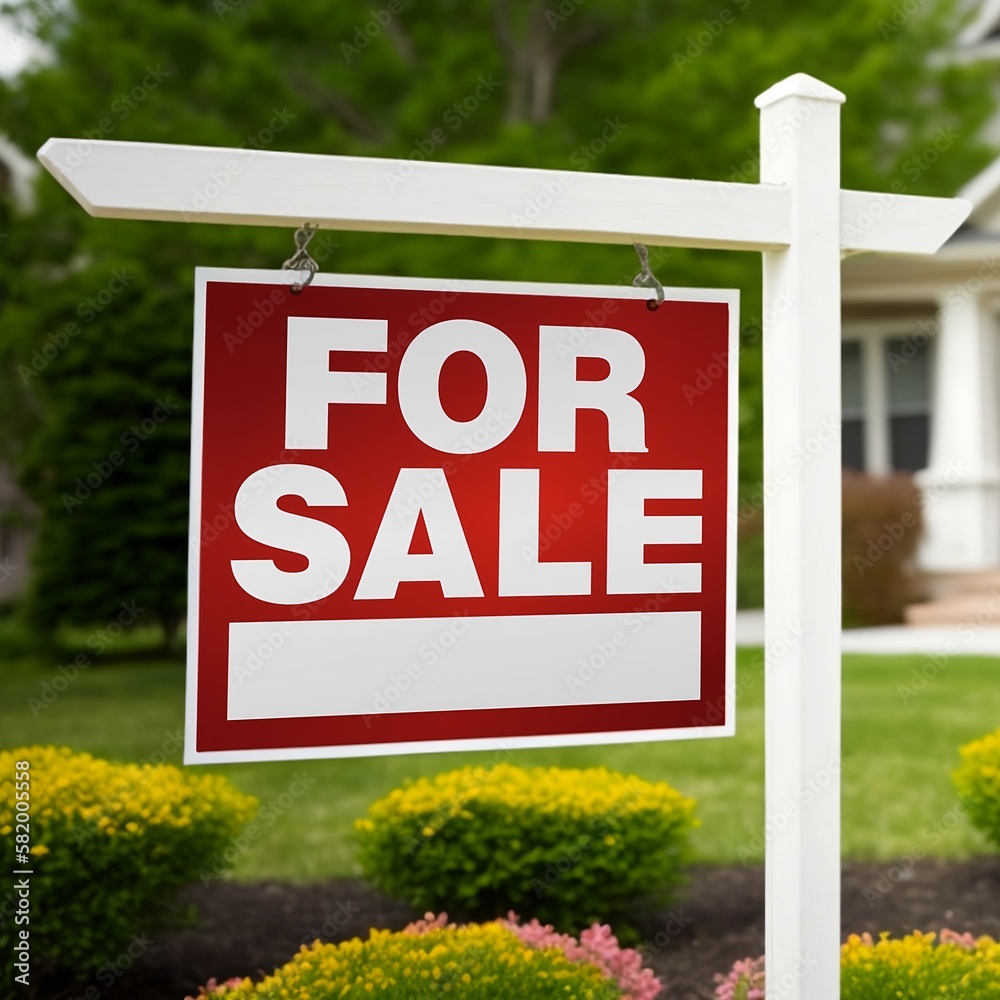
984, 193
984, 27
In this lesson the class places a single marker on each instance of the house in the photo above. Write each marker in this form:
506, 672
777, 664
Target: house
921, 393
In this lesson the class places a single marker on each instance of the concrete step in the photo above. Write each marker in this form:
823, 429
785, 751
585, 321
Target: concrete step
977, 608
986, 582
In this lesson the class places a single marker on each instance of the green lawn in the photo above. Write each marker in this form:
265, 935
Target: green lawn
897, 795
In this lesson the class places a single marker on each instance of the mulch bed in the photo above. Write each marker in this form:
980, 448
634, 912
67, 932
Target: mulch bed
249, 928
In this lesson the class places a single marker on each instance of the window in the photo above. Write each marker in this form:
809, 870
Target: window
886, 379
907, 374
852, 396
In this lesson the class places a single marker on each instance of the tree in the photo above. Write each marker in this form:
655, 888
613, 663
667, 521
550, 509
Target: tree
96, 314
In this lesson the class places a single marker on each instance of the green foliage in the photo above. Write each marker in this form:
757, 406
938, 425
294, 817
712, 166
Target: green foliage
468, 963
750, 558
977, 782
308, 77
570, 847
903, 716
109, 845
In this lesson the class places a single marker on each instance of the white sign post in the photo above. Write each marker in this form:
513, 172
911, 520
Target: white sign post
802, 221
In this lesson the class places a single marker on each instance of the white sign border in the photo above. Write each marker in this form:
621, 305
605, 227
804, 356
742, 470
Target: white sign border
204, 275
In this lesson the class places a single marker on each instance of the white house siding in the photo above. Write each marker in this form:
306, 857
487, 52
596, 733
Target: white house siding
950, 304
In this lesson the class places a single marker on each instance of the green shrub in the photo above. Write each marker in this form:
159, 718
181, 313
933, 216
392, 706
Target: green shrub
569, 847
957, 967
474, 962
109, 843
977, 782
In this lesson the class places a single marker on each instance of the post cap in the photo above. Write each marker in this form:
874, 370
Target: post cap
799, 85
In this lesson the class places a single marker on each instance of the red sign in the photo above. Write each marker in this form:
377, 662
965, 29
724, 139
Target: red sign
430, 515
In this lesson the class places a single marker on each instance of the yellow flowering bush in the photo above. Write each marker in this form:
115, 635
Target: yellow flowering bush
109, 844
916, 967
977, 782
570, 847
472, 962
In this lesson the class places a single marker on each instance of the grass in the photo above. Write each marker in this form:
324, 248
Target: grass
899, 750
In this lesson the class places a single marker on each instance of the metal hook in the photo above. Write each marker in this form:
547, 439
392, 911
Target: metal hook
646, 279
300, 260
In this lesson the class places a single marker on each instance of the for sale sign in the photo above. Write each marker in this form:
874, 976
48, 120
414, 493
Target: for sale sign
430, 515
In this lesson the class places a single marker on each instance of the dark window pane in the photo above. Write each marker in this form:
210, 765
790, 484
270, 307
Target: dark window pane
853, 444
907, 366
851, 380
909, 437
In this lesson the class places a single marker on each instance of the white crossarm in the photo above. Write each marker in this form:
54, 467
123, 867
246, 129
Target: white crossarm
132, 180
898, 223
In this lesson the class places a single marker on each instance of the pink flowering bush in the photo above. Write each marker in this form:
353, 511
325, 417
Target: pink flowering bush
745, 981
213, 988
597, 946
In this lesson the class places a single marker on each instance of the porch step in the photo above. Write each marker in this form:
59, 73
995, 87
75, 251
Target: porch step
974, 608
985, 582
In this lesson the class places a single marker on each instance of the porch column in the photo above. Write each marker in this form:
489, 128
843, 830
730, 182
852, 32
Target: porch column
961, 487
